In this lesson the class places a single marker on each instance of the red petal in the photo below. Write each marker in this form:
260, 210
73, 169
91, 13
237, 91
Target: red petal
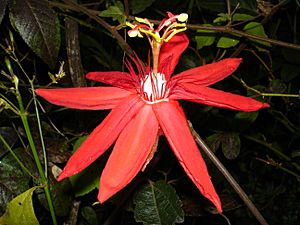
93, 98
174, 124
130, 153
102, 137
213, 97
114, 78
209, 73
170, 53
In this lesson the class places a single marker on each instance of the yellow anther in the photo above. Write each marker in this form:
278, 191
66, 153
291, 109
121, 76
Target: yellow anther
173, 33
182, 17
139, 19
130, 25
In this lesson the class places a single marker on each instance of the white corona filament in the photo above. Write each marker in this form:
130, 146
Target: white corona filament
154, 88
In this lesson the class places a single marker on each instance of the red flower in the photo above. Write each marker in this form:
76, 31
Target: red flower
142, 103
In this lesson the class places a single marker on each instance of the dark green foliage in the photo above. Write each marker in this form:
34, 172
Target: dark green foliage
39, 27
157, 203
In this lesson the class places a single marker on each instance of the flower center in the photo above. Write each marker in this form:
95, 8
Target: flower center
154, 88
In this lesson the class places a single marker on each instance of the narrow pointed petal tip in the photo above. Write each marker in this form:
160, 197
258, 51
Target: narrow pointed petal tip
103, 195
217, 98
102, 137
174, 125
130, 153
265, 105
62, 176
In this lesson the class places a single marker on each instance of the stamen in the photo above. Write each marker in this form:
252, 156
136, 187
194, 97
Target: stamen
165, 30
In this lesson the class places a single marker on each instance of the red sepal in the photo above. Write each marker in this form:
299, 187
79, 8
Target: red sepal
209, 73
102, 137
130, 153
213, 97
174, 125
92, 98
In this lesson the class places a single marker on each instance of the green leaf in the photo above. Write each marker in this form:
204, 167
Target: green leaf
241, 17
2, 9
11, 174
10, 136
257, 29
242, 120
87, 180
231, 145
158, 204
6, 195
277, 86
138, 6
205, 37
78, 142
214, 141
222, 18
246, 116
115, 11
227, 42
38, 25
20, 210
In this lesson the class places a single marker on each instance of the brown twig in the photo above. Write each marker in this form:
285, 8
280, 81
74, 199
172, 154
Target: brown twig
264, 21
223, 29
126, 8
73, 53
228, 30
228, 177
111, 29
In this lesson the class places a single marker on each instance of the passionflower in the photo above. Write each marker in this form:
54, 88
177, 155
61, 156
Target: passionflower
143, 101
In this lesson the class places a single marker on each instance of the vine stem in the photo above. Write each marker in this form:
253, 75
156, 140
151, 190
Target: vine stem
238, 33
229, 30
269, 94
23, 115
228, 177
275, 151
223, 29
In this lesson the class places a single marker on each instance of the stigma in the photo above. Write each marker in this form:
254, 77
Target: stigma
154, 88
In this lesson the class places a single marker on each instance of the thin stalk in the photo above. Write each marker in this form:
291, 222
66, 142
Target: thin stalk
40, 128
274, 150
36, 111
279, 166
24, 118
280, 95
229, 178
268, 94
23, 115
